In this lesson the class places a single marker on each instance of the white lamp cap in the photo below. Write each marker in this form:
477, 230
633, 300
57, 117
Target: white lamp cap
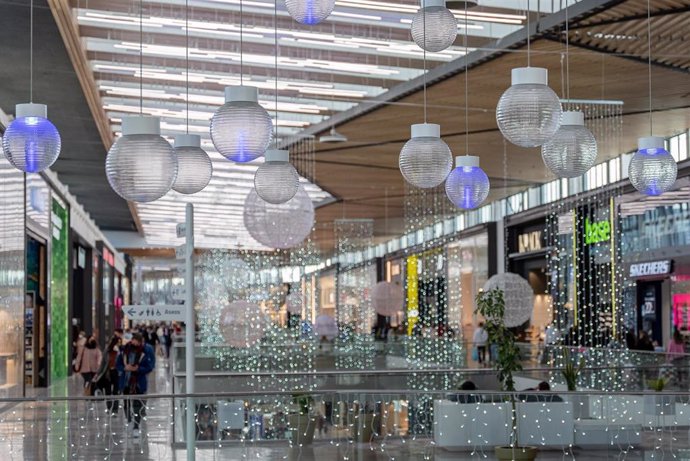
187, 140
529, 75
30, 109
466, 161
426, 130
275, 155
141, 124
241, 93
428, 3
572, 117
650, 142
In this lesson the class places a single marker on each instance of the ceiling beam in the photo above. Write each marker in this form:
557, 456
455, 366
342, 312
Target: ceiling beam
632, 17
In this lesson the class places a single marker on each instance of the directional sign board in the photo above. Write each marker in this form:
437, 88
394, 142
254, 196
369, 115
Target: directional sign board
156, 312
181, 252
178, 292
181, 230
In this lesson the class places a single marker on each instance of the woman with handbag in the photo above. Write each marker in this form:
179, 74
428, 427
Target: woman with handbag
88, 362
107, 377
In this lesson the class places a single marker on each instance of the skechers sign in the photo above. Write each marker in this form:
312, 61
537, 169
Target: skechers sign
650, 268
596, 232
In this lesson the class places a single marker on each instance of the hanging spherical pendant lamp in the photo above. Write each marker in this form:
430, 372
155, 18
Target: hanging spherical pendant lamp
652, 170
194, 167
572, 150
141, 166
309, 12
276, 180
241, 129
425, 160
31, 142
529, 112
434, 27
467, 185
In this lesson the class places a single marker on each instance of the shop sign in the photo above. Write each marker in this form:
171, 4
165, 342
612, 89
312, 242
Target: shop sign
530, 241
651, 268
597, 232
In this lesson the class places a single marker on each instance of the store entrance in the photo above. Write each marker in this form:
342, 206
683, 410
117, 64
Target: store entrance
650, 309
36, 314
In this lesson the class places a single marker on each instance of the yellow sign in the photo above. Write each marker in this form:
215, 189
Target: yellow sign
412, 293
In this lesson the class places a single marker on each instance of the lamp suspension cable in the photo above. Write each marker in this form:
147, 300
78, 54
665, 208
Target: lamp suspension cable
275, 33
649, 64
31, 52
241, 44
467, 93
567, 54
141, 57
424, 56
529, 31
186, 31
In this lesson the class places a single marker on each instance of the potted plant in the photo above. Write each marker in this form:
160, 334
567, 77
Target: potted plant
658, 405
300, 421
491, 305
571, 372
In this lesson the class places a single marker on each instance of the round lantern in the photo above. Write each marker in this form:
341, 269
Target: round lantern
241, 129
434, 27
279, 226
276, 180
242, 324
31, 142
529, 112
572, 150
652, 170
387, 298
518, 296
467, 185
194, 167
293, 303
309, 12
141, 166
325, 325
425, 160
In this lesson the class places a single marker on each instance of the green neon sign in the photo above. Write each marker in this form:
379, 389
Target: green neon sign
596, 232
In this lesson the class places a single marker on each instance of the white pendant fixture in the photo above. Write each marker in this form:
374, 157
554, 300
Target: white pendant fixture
141, 166
332, 137
276, 180
194, 167
434, 28
467, 185
425, 160
572, 151
309, 12
652, 170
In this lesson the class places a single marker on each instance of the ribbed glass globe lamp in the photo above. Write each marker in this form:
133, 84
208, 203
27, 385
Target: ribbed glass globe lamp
529, 112
572, 150
279, 226
425, 160
276, 180
31, 142
652, 170
434, 27
241, 129
194, 167
467, 185
141, 166
309, 12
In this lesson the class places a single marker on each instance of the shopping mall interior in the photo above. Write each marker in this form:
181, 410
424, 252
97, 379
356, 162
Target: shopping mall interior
344, 230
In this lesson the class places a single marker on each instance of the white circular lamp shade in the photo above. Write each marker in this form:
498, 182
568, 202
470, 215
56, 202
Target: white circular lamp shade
518, 296
194, 167
325, 325
652, 170
434, 28
467, 185
572, 150
276, 180
293, 303
279, 226
425, 160
31, 142
242, 324
529, 112
309, 12
241, 129
141, 166
387, 298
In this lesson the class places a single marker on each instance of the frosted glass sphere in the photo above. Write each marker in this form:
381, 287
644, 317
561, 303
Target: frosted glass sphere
570, 152
425, 161
242, 324
293, 303
434, 28
194, 170
276, 182
279, 226
31, 144
325, 325
518, 296
141, 167
309, 12
528, 114
467, 187
241, 130
652, 171
387, 298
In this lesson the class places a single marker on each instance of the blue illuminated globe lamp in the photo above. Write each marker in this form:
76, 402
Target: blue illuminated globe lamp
241, 129
309, 12
652, 170
467, 185
31, 142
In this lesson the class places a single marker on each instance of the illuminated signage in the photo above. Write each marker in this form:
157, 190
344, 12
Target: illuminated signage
650, 268
530, 241
597, 232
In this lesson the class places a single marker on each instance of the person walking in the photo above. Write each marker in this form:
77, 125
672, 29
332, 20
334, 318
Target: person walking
134, 363
107, 377
480, 338
88, 362
675, 353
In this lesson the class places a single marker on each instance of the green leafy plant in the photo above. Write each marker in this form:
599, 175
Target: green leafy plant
304, 401
571, 371
657, 385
